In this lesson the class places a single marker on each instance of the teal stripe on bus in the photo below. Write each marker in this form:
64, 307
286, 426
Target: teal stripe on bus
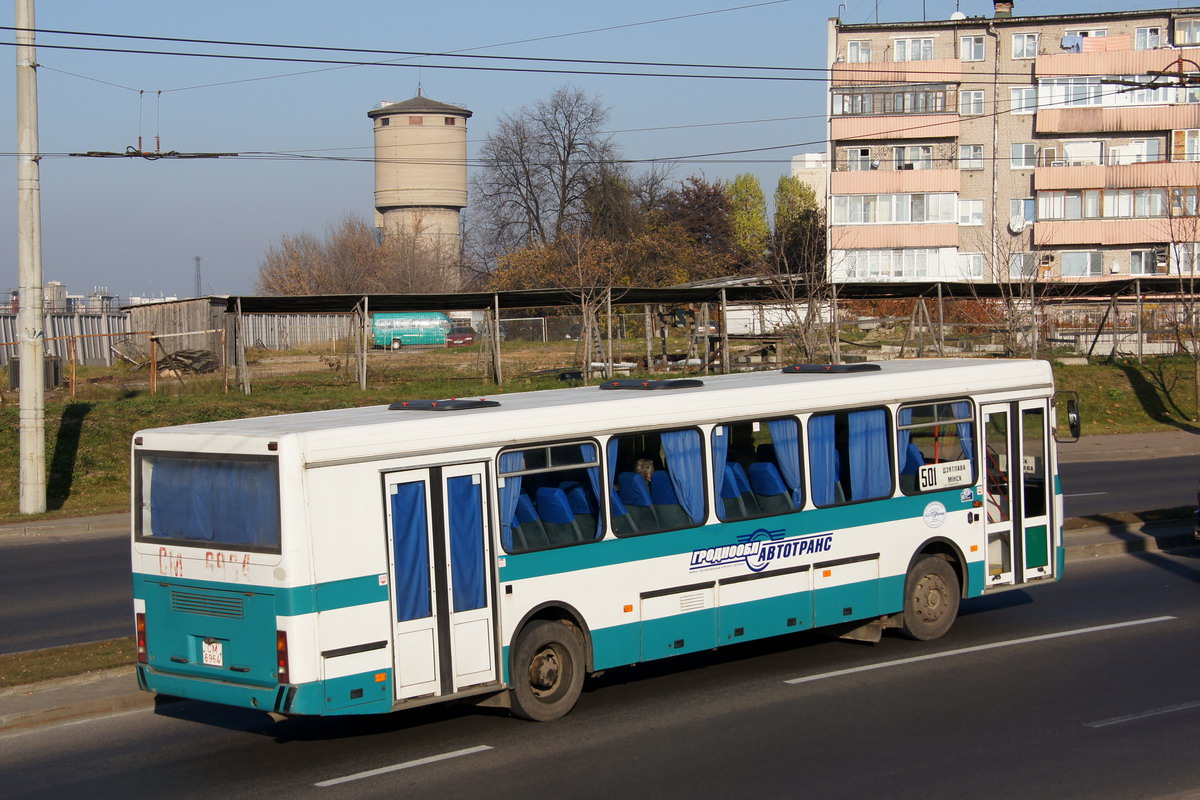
657, 545
290, 601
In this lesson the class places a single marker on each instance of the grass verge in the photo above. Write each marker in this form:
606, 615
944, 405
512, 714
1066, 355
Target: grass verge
18, 669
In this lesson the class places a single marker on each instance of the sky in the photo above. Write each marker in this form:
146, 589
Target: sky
134, 227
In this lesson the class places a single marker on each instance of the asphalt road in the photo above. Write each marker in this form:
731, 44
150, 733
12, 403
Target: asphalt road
1100, 487
1084, 688
56, 592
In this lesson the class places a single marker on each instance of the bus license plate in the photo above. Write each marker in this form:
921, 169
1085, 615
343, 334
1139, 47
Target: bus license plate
212, 653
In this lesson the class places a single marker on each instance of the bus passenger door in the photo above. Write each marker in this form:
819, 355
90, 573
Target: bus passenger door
438, 565
998, 503
1017, 492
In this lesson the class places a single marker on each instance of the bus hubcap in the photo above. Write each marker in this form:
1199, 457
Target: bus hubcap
931, 597
544, 670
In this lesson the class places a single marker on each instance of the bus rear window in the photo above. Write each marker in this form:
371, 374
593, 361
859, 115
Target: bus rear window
230, 502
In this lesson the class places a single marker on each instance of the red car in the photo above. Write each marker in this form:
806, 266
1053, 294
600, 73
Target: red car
460, 336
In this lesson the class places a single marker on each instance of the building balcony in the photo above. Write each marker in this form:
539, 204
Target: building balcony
1123, 119
1124, 176
895, 181
938, 70
1101, 232
904, 234
896, 126
1114, 62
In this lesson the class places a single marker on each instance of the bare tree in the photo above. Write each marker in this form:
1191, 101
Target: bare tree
796, 272
1181, 229
538, 166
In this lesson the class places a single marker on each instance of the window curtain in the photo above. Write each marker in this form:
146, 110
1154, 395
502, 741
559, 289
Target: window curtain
466, 542
509, 492
720, 451
588, 453
903, 436
966, 430
785, 435
410, 546
870, 467
686, 466
822, 455
227, 502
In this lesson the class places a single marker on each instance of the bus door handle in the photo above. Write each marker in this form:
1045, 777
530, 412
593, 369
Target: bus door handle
971, 517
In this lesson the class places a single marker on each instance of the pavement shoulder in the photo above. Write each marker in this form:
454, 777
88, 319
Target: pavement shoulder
68, 699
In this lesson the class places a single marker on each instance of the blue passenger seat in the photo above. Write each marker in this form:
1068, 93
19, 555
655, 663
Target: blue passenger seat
581, 505
666, 502
622, 523
731, 496
749, 502
557, 516
528, 531
772, 493
635, 494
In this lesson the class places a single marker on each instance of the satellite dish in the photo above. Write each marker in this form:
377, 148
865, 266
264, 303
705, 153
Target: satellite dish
958, 15
1017, 223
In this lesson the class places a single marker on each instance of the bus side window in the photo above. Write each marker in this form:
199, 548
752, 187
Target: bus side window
935, 443
656, 481
757, 468
850, 456
549, 496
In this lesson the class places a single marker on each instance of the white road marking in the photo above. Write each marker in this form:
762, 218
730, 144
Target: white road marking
977, 648
1104, 723
1085, 494
406, 765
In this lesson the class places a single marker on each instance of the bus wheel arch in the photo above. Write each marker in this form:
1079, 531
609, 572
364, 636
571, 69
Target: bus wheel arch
548, 664
932, 594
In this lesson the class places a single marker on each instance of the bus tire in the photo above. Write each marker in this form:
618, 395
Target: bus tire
931, 597
547, 670
397, 344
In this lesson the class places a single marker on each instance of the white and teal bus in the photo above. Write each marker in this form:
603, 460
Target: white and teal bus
366, 560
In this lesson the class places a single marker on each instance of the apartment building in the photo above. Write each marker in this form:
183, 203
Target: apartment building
1002, 148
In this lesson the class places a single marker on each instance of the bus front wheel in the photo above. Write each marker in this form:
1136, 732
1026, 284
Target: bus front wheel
547, 671
397, 344
931, 596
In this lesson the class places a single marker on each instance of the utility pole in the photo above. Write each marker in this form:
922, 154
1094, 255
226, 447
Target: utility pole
29, 263
196, 293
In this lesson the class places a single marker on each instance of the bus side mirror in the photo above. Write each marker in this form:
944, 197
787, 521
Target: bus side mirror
1068, 403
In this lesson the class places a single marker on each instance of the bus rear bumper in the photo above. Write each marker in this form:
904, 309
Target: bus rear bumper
357, 694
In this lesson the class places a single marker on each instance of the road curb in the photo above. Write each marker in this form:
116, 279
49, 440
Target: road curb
1140, 537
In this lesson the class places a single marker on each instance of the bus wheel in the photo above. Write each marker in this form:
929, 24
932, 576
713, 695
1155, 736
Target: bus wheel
397, 344
931, 595
547, 671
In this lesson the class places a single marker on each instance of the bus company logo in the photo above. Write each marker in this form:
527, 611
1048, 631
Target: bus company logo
758, 550
935, 514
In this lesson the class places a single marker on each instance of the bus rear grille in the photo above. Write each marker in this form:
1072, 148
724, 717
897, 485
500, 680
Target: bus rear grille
188, 603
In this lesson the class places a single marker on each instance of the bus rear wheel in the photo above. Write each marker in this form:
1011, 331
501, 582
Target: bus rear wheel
547, 674
931, 596
397, 344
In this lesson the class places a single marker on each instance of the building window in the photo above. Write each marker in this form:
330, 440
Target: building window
416, 120
384, 122
905, 264
970, 48
1142, 262
909, 100
1083, 153
971, 103
1022, 266
970, 156
1024, 45
913, 49
858, 159
970, 265
1084, 33
1107, 203
1022, 99
449, 121
1024, 155
1147, 38
1136, 152
970, 212
1185, 145
1185, 257
913, 157
1082, 264
1187, 31
867, 209
1023, 208
1183, 202
858, 52
1070, 92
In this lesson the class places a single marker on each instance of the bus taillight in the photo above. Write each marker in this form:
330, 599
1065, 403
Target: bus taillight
281, 655
142, 656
